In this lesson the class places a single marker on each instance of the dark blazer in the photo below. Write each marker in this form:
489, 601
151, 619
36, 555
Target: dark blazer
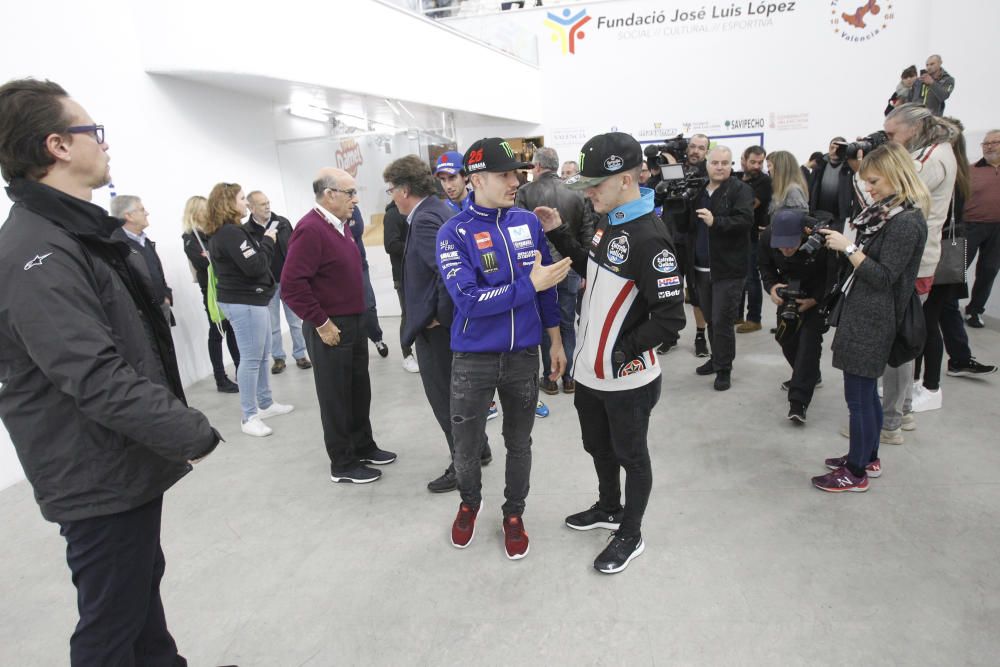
284, 229
549, 190
847, 202
157, 280
729, 235
394, 233
426, 296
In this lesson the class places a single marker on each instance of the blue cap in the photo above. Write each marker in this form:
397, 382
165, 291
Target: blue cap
786, 228
449, 163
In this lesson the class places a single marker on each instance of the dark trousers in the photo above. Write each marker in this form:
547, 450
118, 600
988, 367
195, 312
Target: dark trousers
865, 408
434, 353
803, 351
215, 344
344, 390
753, 291
566, 291
984, 237
474, 379
372, 328
685, 264
929, 362
614, 425
406, 349
956, 338
720, 302
117, 565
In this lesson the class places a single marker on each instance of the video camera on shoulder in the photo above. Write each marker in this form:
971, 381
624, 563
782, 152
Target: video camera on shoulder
867, 145
680, 185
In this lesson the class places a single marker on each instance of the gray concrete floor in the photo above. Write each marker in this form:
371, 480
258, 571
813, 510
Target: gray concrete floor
268, 563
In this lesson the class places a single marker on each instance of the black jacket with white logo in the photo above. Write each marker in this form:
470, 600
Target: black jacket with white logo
242, 266
634, 298
89, 387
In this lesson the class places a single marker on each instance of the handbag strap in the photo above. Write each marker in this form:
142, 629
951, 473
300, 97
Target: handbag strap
208, 255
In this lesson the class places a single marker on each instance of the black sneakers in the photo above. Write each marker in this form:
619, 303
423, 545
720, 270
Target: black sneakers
383, 349
723, 380
619, 553
971, 368
705, 369
796, 413
360, 474
443, 484
595, 517
975, 321
379, 457
666, 347
700, 347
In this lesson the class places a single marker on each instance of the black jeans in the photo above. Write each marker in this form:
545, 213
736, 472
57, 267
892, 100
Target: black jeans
215, 344
344, 390
406, 349
928, 363
753, 290
720, 302
117, 565
614, 425
372, 327
474, 379
803, 351
956, 338
434, 353
985, 237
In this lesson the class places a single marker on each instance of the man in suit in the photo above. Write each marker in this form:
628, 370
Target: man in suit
429, 308
135, 220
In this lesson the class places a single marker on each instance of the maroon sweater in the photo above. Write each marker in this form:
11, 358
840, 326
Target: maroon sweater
322, 275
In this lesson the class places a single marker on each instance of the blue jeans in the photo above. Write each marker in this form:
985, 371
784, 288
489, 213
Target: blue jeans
252, 325
861, 394
294, 327
566, 291
474, 378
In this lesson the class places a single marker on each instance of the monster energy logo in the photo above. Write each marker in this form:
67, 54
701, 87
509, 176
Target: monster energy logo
507, 149
582, 156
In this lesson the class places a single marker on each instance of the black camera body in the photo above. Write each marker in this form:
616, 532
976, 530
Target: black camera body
868, 144
677, 147
680, 186
815, 241
789, 309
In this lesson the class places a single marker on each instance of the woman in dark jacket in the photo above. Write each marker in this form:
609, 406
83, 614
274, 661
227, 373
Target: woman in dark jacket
196, 249
245, 287
891, 237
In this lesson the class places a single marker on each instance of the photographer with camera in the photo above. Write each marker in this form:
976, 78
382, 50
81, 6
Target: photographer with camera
798, 272
833, 185
719, 232
673, 195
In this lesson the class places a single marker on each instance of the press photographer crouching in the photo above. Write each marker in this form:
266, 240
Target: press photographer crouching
874, 297
798, 272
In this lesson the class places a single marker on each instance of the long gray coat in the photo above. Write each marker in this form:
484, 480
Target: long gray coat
883, 284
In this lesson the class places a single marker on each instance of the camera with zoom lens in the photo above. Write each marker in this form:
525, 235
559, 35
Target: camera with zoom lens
815, 241
867, 145
677, 147
789, 309
678, 186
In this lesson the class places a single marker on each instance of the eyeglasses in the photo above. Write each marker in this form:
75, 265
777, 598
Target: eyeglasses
389, 191
350, 193
96, 130
991, 143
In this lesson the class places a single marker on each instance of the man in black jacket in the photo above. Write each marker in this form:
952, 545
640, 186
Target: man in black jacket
430, 310
81, 339
262, 218
832, 187
753, 175
719, 231
634, 301
395, 231
547, 189
807, 275
135, 219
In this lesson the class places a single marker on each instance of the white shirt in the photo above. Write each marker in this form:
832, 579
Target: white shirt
409, 218
332, 219
139, 238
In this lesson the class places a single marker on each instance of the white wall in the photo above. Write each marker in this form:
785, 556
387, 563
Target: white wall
168, 139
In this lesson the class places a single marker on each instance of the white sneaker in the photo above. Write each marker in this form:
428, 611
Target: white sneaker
909, 422
274, 410
893, 437
255, 427
410, 364
925, 399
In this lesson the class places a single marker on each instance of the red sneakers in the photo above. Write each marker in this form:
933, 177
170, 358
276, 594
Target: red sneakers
873, 469
464, 528
840, 480
515, 540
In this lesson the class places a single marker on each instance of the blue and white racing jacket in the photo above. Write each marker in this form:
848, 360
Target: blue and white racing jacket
485, 256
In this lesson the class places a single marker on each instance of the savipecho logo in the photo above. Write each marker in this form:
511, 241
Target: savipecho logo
349, 156
745, 124
566, 28
854, 22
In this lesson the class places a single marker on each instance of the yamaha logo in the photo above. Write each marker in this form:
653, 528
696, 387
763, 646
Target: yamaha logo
613, 163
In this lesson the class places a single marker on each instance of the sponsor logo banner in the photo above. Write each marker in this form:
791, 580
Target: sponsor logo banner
665, 262
618, 250
859, 21
488, 260
349, 156
670, 281
483, 240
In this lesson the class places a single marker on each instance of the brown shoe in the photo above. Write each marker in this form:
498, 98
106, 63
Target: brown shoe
748, 327
548, 386
303, 363
569, 386
739, 322
278, 367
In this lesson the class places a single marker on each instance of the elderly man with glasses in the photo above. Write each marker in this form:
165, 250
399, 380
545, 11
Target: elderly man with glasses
322, 283
982, 226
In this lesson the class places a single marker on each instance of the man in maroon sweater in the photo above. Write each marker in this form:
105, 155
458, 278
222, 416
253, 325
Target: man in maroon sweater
322, 283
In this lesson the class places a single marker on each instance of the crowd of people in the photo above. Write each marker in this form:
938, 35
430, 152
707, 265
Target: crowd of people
575, 281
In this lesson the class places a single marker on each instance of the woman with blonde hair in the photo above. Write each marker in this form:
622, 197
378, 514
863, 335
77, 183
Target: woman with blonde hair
245, 287
196, 249
787, 182
883, 271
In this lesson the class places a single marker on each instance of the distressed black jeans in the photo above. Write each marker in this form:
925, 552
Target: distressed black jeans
474, 379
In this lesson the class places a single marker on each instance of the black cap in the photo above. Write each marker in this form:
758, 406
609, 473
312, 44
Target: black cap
603, 156
787, 226
492, 154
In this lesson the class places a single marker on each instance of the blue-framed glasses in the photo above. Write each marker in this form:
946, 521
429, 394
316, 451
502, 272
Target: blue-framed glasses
96, 130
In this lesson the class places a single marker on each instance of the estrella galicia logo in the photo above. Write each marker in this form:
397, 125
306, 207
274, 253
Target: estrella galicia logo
858, 21
665, 262
566, 28
613, 163
618, 250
